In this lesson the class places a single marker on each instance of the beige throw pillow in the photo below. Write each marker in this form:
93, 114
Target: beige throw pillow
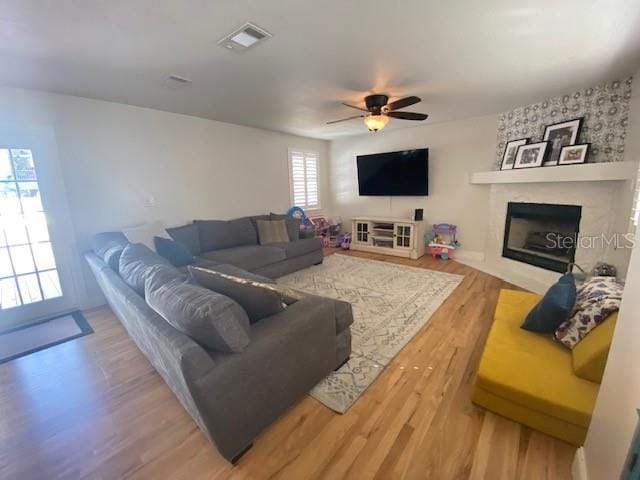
272, 231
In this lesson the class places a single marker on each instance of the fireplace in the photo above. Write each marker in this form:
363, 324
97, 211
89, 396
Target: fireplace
542, 234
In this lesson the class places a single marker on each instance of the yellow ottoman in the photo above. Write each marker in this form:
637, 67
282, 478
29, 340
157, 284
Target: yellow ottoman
529, 378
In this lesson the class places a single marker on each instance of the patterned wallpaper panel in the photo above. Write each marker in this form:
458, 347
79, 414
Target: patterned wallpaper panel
605, 109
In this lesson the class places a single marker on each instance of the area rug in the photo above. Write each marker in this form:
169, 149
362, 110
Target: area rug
21, 341
390, 302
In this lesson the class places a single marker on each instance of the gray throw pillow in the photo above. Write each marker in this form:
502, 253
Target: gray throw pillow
293, 224
112, 257
188, 235
134, 262
272, 231
257, 299
213, 320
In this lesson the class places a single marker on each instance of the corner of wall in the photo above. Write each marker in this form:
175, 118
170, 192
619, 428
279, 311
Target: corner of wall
579, 466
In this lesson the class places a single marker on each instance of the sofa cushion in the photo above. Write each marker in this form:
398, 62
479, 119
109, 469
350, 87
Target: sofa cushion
209, 318
554, 308
293, 224
135, 261
272, 231
300, 247
531, 369
258, 301
249, 257
188, 235
177, 253
590, 355
219, 234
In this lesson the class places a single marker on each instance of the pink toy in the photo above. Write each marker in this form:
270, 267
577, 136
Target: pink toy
442, 240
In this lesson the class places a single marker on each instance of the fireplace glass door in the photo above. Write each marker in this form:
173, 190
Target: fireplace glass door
544, 235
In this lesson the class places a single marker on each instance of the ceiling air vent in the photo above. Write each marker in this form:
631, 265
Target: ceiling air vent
244, 38
176, 82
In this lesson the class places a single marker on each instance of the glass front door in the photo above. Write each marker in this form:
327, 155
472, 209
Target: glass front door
28, 271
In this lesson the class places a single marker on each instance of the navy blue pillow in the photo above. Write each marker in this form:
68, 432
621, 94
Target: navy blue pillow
178, 254
554, 308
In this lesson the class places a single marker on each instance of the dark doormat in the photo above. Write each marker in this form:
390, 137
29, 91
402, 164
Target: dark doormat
21, 341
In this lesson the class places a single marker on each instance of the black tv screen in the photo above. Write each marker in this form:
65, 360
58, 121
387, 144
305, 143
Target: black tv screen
403, 173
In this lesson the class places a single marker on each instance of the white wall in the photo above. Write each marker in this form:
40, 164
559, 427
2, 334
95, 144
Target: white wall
455, 150
114, 156
614, 418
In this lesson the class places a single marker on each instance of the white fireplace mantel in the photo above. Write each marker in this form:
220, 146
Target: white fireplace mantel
588, 172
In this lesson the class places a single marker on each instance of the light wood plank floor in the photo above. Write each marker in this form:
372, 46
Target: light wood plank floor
95, 408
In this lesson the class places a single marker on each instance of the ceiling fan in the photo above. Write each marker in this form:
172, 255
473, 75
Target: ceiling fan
378, 110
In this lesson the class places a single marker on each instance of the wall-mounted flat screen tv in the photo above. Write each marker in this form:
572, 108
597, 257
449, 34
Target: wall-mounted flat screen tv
404, 173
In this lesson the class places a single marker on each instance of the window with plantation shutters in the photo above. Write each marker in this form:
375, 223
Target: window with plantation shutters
303, 179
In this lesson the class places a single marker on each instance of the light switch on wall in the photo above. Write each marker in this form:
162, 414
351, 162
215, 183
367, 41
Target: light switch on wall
150, 201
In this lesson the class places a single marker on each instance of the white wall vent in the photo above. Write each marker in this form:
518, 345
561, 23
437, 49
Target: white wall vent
244, 38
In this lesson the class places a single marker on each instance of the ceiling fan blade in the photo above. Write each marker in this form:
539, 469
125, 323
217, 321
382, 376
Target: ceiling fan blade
345, 119
355, 106
408, 115
403, 102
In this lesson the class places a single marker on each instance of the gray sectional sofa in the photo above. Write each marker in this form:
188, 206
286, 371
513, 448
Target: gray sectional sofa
236, 242
231, 396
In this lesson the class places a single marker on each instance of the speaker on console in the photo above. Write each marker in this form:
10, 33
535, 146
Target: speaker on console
417, 214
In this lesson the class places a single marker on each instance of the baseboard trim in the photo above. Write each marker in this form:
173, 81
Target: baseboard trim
579, 466
469, 256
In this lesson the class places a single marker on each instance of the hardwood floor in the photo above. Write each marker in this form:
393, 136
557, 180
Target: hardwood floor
95, 408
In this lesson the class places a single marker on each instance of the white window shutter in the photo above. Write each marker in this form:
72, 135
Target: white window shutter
303, 177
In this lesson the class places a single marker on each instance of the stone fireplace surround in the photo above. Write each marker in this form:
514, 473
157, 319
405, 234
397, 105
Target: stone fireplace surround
605, 197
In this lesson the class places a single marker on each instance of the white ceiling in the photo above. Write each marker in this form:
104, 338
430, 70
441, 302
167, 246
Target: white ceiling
464, 58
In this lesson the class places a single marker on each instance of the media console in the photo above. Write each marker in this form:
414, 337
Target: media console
390, 236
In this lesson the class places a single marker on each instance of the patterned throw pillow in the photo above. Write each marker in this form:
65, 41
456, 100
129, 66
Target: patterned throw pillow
596, 299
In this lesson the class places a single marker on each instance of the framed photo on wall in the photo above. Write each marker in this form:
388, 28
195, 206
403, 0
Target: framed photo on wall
572, 154
531, 155
561, 135
509, 157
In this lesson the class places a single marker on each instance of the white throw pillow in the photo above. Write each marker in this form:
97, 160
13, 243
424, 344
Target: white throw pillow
144, 233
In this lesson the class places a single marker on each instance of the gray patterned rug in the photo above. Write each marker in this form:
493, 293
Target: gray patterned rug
391, 303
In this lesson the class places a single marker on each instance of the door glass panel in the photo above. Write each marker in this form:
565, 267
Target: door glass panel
50, 284
37, 227
44, 256
6, 172
5, 263
30, 196
9, 200
15, 232
22, 259
9, 293
28, 271
24, 168
29, 288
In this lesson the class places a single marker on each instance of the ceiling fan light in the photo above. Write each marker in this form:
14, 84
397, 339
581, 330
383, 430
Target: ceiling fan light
375, 122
